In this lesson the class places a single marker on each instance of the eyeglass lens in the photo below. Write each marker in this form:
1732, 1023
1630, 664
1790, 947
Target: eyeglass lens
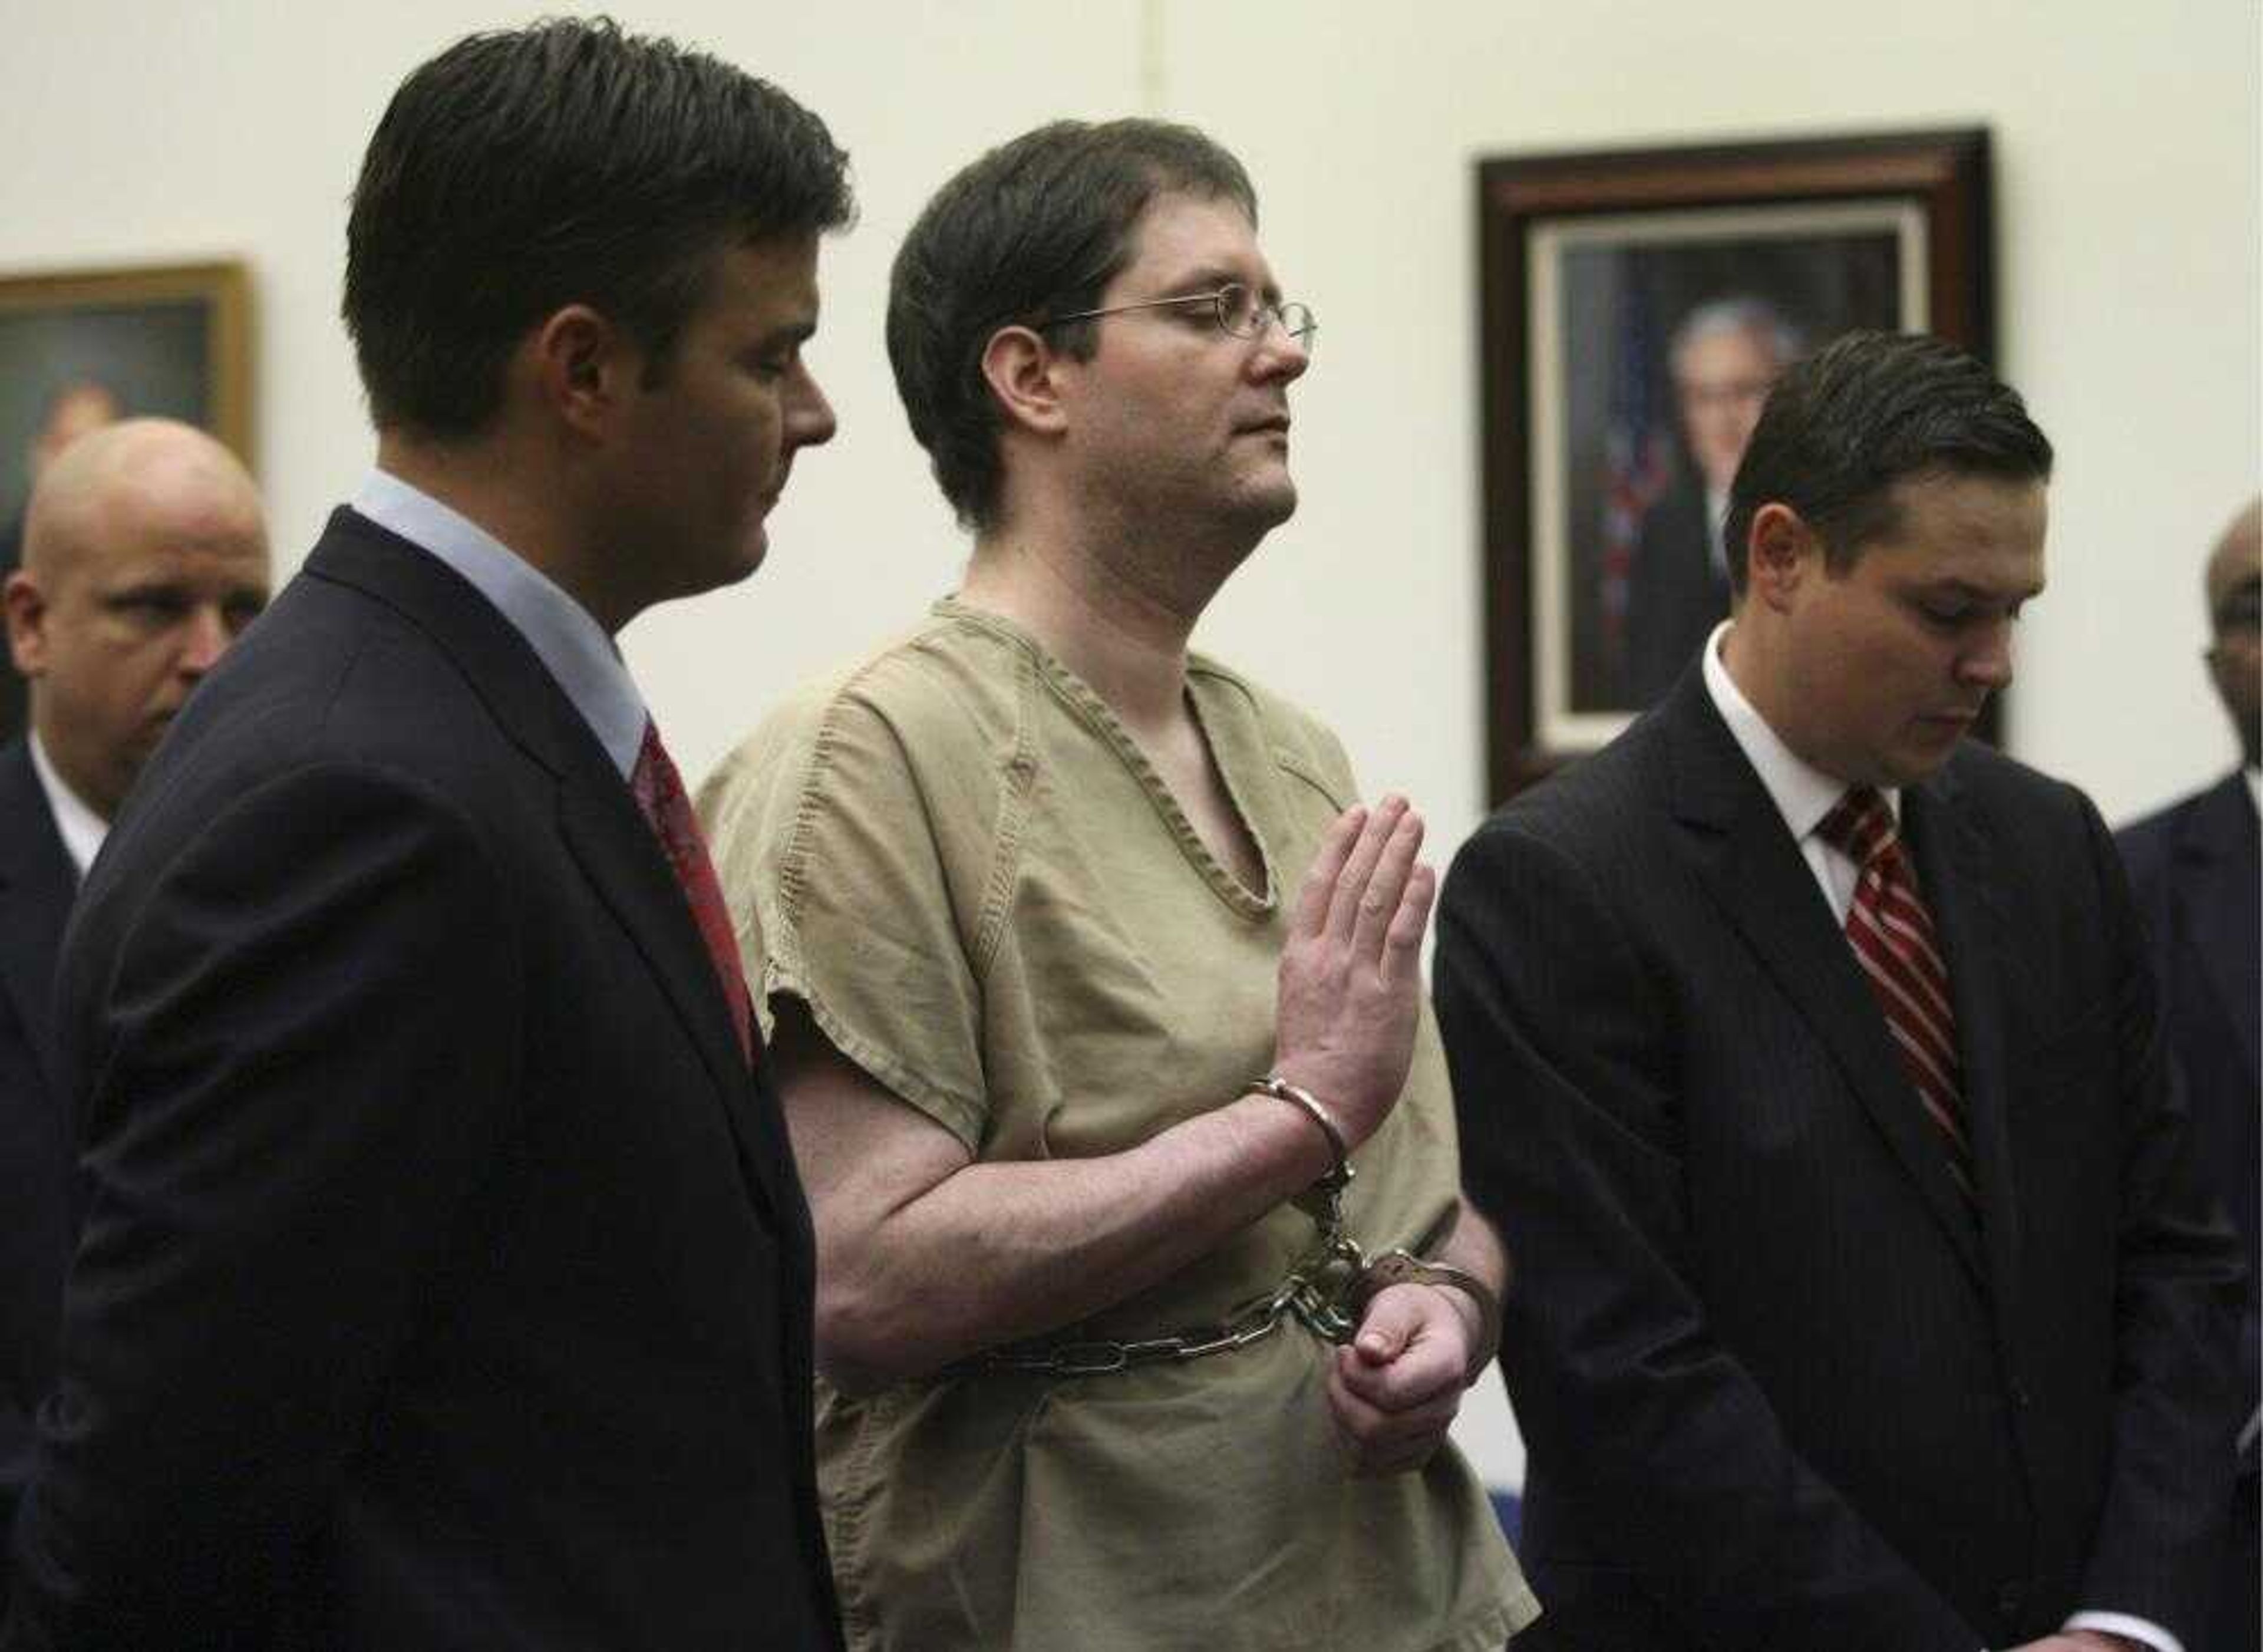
1241, 313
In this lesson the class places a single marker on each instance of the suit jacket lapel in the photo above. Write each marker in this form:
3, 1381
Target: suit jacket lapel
36, 886
1744, 854
2217, 872
624, 860
598, 819
1954, 857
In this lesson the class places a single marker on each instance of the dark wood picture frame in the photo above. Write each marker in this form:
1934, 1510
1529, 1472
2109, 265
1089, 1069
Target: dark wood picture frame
1933, 185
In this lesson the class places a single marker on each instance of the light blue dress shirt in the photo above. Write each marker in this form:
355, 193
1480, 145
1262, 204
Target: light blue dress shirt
569, 642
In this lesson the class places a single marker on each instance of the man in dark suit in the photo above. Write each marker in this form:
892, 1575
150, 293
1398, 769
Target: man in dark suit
1724, 355
146, 556
1807, 1059
37, 881
445, 1280
2197, 871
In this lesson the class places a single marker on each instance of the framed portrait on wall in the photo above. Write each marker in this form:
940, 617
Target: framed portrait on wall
173, 340
1635, 307
80, 348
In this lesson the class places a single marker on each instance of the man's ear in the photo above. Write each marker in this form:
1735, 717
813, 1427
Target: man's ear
1783, 550
26, 607
1022, 371
583, 367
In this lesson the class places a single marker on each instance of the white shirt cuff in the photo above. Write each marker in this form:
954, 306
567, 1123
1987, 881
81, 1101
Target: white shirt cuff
2121, 1623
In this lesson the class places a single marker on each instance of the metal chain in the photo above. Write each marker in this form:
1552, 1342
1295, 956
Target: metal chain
1325, 1278
1318, 1291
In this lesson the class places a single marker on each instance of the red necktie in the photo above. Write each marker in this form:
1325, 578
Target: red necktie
1892, 933
659, 792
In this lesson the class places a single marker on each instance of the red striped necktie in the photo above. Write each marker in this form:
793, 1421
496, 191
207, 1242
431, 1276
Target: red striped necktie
1892, 933
659, 792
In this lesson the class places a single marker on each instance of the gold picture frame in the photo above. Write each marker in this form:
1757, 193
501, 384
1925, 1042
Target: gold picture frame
164, 339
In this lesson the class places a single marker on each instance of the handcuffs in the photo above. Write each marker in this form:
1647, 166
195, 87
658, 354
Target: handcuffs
1326, 1290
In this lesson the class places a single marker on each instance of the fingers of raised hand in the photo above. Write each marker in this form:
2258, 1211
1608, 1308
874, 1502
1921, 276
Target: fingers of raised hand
1348, 993
1318, 889
1403, 942
1361, 866
1377, 908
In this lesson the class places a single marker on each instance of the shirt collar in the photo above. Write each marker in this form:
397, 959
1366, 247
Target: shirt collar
569, 642
80, 828
1802, 792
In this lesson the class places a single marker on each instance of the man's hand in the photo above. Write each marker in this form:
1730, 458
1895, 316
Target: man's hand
1351, 974
1394, 1391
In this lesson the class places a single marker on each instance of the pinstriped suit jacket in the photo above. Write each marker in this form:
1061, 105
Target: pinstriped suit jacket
1779, 1388
38, 1218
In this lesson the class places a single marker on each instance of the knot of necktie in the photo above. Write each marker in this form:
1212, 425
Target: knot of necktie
1860, 825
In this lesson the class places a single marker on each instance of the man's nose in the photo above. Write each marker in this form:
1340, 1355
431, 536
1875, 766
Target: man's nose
809, 416
205, 641
1281, 354
1988, 663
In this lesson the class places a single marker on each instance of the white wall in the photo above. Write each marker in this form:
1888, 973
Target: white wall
2127, 209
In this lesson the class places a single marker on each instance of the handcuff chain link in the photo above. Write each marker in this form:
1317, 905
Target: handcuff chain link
1317, 1290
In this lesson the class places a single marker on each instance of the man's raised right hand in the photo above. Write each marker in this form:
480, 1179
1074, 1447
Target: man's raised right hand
1351, 970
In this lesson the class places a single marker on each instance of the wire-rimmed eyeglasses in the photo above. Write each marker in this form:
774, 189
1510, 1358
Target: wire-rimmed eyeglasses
1241, 313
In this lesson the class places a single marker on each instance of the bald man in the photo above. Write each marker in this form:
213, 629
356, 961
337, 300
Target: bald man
145, 554
2197, 869
79, 409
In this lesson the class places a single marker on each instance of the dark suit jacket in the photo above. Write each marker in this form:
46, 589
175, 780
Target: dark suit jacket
37, 1220
445, 1280
2197, 871
1675, 596
1779, 1388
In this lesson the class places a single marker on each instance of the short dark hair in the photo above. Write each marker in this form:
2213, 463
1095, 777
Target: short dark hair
1035, 228
1846, 424
523, 171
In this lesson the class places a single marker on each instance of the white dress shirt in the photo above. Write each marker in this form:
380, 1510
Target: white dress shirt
1803, 793
81, 829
